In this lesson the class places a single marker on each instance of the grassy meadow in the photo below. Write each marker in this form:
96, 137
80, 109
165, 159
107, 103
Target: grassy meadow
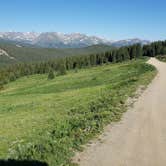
47, 120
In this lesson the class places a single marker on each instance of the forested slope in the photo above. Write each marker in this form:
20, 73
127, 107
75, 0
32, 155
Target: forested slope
30, 54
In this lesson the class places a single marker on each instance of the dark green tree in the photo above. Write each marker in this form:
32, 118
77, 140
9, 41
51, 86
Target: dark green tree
61, 68
51, 74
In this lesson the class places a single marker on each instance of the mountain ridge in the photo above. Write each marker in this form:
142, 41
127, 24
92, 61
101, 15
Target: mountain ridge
62, 40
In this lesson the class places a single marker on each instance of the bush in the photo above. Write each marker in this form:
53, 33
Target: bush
12, 77
51, 75
61, 69
1, 87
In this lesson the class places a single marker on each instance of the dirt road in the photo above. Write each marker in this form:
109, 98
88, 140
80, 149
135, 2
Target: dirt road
140, 138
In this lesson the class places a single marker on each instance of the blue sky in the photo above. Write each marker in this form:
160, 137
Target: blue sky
112, 19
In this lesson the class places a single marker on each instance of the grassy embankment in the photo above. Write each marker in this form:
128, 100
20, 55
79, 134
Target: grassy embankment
46, 119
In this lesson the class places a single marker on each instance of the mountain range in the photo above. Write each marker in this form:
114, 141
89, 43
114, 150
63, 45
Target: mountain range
61, 40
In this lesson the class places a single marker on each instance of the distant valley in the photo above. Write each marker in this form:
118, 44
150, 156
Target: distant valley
11, 53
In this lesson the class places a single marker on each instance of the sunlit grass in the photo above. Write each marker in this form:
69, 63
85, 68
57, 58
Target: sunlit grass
28, 104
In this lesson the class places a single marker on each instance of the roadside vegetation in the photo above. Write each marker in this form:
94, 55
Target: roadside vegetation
161, 58
48, 119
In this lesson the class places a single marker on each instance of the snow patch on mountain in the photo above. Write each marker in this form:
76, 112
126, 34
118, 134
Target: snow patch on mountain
4, 53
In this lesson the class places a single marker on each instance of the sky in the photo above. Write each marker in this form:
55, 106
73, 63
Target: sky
111, 19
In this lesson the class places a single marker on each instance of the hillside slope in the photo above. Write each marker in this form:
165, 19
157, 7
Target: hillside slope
30, 54
43, 119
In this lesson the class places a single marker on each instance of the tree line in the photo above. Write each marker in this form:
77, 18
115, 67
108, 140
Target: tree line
155, 49
60, 65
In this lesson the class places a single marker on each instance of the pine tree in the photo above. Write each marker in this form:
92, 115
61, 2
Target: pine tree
12, 77
133, 52
138, 51
114, 56
51, 74
61, 68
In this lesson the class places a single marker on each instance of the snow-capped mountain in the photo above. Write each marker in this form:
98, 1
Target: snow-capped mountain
19, 36
129, 42
60, 40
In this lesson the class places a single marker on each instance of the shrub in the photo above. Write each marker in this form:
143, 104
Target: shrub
1, 87
61, 69
51, 75
12, 77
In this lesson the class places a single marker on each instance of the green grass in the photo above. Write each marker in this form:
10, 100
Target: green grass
47, 119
